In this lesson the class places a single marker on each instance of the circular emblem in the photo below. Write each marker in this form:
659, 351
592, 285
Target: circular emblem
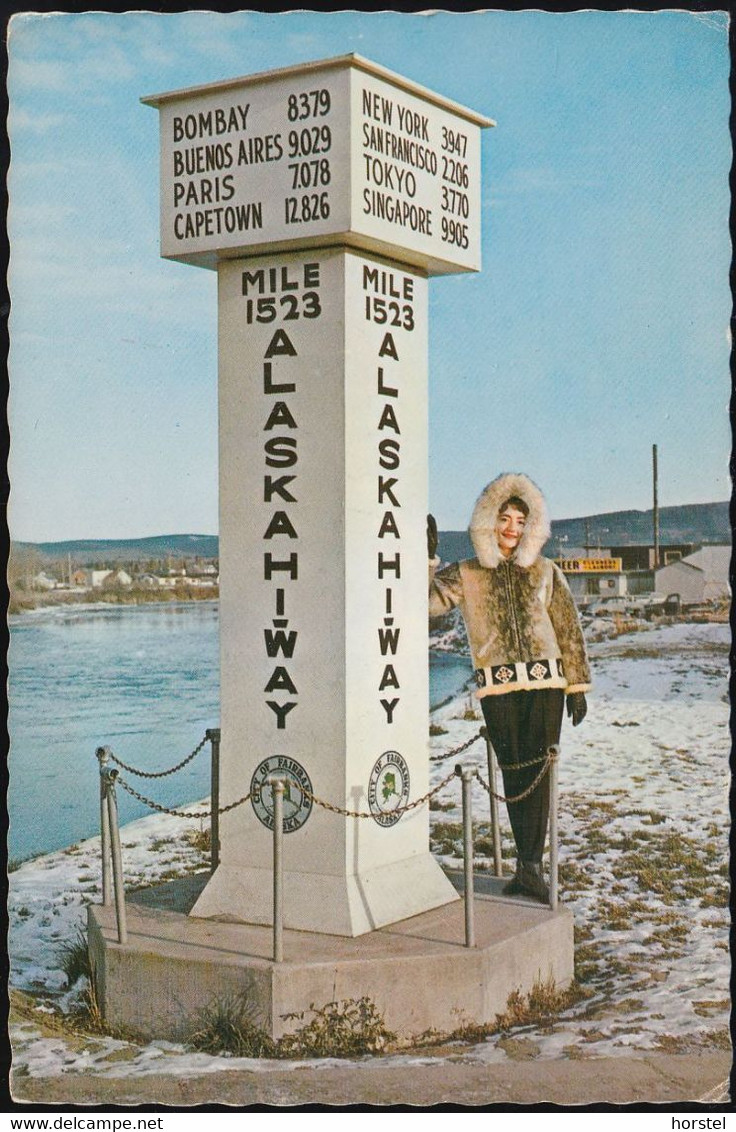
388, 788
297, 806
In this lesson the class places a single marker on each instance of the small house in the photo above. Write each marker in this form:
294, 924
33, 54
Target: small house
701, 576
44, 581
117, 578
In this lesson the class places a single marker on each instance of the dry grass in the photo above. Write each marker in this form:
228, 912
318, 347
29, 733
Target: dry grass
350, 1028
541, 1006
231, 1025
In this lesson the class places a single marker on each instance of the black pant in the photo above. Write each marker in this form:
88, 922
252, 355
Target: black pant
521, 726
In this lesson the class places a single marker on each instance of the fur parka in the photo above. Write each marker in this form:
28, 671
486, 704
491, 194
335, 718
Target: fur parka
523, 627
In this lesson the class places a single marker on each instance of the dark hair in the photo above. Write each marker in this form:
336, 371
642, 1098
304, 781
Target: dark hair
517, 502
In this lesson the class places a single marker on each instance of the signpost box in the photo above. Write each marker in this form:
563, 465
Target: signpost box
324, 195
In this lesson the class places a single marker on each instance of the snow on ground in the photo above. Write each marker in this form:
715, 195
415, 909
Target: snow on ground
644, 869
643, 842
48, 895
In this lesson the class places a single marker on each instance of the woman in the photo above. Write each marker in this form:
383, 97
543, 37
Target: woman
527, 648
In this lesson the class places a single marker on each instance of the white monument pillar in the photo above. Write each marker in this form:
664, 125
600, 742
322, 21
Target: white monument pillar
324, 195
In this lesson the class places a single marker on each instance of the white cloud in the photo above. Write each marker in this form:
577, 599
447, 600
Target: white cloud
539, 178
157, 55
59, 67
34, 123
25, 77
93, 280
44, 214
716, 20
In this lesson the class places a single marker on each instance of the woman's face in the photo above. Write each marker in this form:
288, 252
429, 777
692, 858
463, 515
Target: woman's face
509, 529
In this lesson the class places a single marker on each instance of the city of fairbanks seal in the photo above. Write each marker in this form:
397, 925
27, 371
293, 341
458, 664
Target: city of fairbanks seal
297, 804
388, 788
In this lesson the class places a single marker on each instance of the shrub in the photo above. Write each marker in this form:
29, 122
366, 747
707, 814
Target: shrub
348, 1028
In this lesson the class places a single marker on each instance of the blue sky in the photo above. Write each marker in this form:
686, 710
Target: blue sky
597, 327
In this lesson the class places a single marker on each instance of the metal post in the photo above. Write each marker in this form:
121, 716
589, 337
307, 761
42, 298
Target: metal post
553, 753
655, 505
495, 827
467, 777
213, 734
117, 856
103, 755
277, 787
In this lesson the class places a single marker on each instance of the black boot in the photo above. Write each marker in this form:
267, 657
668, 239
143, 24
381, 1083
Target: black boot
532, 882
514, 886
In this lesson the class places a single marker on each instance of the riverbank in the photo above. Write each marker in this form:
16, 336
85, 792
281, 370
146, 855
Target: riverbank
27, 602
644, 869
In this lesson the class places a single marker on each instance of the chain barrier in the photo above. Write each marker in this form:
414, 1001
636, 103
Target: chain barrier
363, 814
317, 801
179, 813
312, 798
548, 760
159, 773
456, 750
110, 841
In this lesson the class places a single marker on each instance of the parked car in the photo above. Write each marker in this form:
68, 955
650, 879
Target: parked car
660, 606
607, 606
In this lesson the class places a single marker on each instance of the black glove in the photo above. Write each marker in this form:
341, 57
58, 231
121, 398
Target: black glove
432, 537
577, 707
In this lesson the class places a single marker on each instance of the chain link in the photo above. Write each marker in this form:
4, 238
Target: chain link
159, 773
521, 766
400, 810
549, 759
456, 750
312, 797
179, 813
362, 813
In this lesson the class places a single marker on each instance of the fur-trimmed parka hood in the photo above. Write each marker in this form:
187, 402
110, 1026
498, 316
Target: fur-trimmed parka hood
485, 515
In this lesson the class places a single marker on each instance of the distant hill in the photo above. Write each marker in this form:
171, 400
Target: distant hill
84, 551
693, 522
690, 522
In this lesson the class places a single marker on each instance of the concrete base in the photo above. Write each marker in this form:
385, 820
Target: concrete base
417, 972
339, 905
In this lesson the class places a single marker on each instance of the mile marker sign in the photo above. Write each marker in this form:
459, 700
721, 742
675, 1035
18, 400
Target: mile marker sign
323, 195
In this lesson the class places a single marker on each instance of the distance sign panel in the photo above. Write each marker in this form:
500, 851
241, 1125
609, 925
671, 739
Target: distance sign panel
253, 165
323, 154
416, 176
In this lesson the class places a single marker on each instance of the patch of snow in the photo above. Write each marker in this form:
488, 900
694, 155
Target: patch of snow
646, 774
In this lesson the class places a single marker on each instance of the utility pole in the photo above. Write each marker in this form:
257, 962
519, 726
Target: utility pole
655, 511
587, 537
